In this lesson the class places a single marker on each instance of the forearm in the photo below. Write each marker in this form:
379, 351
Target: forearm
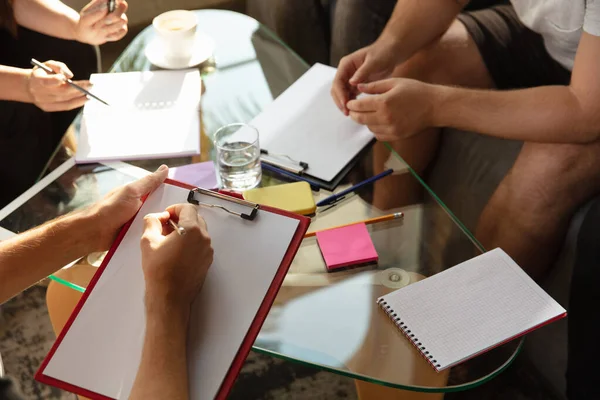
51, 17
163, 368
29, 257
552, 114
13, 82
416, 23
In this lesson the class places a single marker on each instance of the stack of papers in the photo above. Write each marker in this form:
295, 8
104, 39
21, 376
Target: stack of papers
304, 123
152, 114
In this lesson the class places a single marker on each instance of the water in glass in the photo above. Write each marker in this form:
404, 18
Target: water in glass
239, 165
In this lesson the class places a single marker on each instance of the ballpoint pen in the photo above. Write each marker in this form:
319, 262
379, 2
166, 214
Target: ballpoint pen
111, 5
335, 197
49, 70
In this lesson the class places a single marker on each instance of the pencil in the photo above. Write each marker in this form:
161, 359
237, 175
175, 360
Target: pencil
367, 222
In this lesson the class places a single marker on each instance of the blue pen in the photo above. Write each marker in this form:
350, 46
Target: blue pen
293, 177
338, 196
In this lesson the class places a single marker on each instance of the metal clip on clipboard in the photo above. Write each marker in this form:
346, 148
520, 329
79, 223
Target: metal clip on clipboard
250, 217
283, 162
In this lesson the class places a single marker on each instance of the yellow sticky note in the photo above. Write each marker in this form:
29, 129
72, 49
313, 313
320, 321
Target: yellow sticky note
295, 197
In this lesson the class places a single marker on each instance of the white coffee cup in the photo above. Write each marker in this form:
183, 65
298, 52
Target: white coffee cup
177, 31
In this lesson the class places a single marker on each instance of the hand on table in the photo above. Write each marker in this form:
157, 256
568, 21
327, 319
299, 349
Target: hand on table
397, 108
97, 26
174, 265
51, 92
120, 205
368, 64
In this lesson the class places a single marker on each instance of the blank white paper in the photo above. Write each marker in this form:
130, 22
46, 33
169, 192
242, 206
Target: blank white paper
305, 124
472, 307
101, 351
152, 114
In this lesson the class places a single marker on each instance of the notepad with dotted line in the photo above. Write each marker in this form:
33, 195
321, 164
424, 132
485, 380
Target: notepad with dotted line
470, 308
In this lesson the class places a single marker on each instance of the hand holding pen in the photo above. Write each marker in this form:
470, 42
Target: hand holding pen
51, 92
62, 74
102, 21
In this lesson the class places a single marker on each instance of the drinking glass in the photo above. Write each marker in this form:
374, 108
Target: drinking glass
238, 156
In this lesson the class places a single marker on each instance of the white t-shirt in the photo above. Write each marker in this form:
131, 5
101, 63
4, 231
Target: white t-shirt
561, 23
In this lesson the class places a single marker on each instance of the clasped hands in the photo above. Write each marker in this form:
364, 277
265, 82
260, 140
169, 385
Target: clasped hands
392, 108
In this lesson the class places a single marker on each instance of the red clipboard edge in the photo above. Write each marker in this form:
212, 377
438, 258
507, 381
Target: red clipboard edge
39, 375
250, 337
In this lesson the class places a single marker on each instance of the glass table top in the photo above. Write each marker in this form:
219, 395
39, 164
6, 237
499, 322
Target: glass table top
329, 320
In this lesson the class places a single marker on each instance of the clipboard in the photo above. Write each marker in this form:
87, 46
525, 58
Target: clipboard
252, 332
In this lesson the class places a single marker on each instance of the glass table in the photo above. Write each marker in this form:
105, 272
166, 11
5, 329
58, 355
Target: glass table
328, 320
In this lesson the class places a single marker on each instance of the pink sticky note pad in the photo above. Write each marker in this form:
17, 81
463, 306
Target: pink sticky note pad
349, 245
199, 174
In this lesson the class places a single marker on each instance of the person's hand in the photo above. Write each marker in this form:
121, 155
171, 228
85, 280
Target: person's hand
174, 265
368, 64
120, 205
396, 109
97, 26
51, 92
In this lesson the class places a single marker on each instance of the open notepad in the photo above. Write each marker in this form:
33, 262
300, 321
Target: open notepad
98, 352
470, 308
304, 123
152, 114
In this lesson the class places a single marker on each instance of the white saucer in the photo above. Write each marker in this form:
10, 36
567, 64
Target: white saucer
203, 49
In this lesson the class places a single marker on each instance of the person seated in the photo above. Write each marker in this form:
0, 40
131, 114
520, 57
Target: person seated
36, 108
174, 269
326, 30
525, 72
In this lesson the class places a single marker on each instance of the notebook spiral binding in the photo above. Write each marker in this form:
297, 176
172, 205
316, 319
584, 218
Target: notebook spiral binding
396, 320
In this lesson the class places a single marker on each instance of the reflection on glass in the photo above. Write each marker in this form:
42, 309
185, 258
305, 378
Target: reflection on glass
80, 186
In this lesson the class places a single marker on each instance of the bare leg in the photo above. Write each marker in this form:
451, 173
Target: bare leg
530, 211
452, 60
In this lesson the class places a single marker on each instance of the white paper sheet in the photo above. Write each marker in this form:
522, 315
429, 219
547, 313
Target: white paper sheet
305, 124
471, 308
152, 114
102, 349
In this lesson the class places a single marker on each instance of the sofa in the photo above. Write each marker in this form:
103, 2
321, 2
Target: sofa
465, 174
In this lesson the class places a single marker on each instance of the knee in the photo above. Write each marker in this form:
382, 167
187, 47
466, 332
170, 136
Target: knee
548, 179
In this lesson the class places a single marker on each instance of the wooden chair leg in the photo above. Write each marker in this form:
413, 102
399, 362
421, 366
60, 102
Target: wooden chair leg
372, 391
61, 300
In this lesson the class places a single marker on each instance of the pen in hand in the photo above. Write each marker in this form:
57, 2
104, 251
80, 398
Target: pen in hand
49, 70
180, 230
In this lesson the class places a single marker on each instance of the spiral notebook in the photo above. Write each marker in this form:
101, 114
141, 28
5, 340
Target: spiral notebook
470, 308
98, 352
152, 114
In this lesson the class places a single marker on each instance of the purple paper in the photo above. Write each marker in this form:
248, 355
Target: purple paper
199, 175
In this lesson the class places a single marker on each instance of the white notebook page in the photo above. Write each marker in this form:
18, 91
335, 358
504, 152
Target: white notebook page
471, 307
151, 114
102, 349
305, 124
